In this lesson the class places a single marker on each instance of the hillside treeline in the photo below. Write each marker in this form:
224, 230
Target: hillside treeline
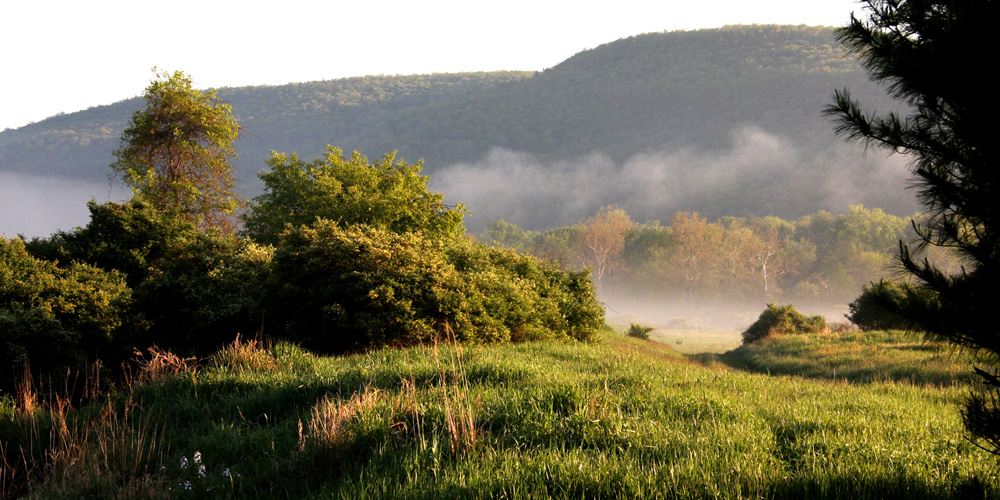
682, 94
819, 258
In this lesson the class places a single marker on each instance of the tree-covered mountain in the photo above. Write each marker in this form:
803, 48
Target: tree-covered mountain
722, 121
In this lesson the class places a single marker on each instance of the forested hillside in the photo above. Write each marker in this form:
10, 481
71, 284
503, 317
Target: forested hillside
726, 122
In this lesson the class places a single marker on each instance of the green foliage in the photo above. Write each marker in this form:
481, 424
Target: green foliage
55, 317
387, 193
524, 297
781, 320
206, 291
339, 289
639, 331
132, 238
175, 153
927, 54
880, 307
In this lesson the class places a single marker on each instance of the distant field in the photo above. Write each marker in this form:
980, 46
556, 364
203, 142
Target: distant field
695, 341
621, 418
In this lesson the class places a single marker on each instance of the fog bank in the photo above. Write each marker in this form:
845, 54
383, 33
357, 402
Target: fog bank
760, 173
39, 206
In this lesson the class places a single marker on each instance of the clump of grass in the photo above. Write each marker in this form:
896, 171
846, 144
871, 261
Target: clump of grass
327, 433
156, 365
108, 452
243, 356
639, 331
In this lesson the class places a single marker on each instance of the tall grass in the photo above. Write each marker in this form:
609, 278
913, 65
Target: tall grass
622, 418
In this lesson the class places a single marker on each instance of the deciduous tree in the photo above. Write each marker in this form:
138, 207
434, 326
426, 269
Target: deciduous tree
175, 153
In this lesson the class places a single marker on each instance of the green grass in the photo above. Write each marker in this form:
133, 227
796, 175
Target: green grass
622, 418
858, 357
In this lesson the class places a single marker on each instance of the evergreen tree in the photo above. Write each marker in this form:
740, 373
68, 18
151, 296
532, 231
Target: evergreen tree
934, 57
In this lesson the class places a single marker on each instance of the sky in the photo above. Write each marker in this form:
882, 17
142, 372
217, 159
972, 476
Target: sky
64, 56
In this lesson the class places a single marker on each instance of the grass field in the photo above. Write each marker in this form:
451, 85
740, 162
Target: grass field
870, 415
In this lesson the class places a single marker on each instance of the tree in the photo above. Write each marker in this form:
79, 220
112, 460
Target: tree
933, 56
175, 153
387, 193
600, 243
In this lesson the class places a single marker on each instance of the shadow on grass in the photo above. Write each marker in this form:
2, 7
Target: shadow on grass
915, 364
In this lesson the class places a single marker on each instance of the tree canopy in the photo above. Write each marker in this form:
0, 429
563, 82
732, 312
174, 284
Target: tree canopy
387, 193
175, 153
933, 56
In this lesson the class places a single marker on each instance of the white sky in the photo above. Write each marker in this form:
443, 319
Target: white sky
59, 55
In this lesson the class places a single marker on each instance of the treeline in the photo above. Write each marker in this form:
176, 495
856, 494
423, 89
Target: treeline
822, 257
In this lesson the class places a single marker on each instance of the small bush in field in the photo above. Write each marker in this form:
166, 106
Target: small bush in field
782, 319
639, 331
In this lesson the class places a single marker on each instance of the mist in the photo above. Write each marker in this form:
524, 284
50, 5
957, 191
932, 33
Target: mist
39, 206
759, 173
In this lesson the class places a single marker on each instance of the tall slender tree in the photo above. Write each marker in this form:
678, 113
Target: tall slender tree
935, 57
175, 153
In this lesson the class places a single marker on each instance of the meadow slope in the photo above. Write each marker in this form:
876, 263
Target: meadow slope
620, 418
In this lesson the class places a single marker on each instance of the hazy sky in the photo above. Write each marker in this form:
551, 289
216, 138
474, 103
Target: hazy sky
70, 55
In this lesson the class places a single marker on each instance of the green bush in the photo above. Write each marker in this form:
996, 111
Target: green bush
783, 319
346, 288
203, 293
639, 331
387, 193
131, 238
55, 317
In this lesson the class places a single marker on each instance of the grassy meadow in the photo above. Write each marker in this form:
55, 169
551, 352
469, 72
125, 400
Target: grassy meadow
851, 415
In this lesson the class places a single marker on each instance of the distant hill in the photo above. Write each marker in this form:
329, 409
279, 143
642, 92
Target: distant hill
723, 121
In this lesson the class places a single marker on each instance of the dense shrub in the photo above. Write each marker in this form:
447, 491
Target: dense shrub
530, 298
387, 193
56, 317
783, 319
203, 293
639, 331
128, 237
339, 289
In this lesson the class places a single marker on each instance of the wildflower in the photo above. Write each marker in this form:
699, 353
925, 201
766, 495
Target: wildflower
197, 457
201, 470
225, 473
184, 462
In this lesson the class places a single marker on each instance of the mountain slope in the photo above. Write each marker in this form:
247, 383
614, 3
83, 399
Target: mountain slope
725, 122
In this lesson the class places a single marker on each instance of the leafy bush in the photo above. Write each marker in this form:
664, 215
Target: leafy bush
639, 331
388, 193
340, 289
203, 293
56, 317
783, 319
128, 237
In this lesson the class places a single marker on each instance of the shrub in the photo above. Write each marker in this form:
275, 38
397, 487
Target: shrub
131, 238
205, 292
56, 317
783, 319
347, 288
639, 331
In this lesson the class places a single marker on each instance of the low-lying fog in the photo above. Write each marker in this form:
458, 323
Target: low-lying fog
39, 206
759, 169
